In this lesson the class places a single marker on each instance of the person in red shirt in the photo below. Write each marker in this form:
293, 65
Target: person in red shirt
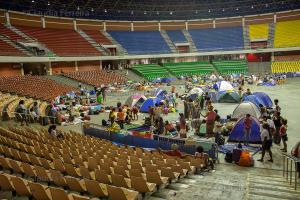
121, 118
135, 111
247, 128
175, 152
283, 134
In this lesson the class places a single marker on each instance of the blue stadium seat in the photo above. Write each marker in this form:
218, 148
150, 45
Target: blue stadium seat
176, 36
228, 38
141, 42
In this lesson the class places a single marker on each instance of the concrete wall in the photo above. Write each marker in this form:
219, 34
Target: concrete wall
259, 67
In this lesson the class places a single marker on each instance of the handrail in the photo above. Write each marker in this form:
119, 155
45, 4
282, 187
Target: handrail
288, 170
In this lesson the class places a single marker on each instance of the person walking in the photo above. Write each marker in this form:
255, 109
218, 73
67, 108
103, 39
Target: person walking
266, 142
283, 134
247, 128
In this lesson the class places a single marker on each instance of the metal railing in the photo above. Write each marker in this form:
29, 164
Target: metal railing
288, 162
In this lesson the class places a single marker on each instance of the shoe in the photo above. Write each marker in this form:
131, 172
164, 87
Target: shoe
271, 160
260, 160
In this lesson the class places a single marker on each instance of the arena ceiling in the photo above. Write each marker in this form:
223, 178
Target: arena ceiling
148, 9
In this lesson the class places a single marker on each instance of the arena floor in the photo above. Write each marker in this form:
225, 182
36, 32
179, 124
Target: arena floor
230, 180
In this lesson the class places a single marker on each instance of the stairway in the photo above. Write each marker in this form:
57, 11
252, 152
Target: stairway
68, 81
168, 41
188, 37
120, 49
20, 33
273, 187
271, 35
247, 44
131, 75
30, 40
15, 45
97, 46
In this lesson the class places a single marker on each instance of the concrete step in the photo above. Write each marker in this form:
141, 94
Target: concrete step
258, 197
271, 193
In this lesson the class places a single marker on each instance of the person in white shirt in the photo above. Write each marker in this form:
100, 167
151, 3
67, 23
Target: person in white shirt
266, 139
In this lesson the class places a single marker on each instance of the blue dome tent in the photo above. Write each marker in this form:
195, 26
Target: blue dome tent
237, 133
254, 99
265, 98
149, 102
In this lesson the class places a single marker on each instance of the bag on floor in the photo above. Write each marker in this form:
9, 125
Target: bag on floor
228, 157
236, 154
245, 159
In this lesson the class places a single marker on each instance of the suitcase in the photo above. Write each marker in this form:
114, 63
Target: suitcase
236, 154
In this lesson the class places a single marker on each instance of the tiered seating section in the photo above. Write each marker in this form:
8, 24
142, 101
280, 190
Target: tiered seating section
97, 77
141, 42
231, 67
98, 37
10, 34
8, 50
214, 39
258, 32
189, 68
177, 36
151, 71
61, 42
31, 160
36, 87
285, 66
287, 34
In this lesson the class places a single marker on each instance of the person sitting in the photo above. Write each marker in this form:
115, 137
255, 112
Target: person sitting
160, 128
21, 112
52, 132
169, 128
208, 163
175, 151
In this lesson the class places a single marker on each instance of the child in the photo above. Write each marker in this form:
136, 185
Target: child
135, 111
283, 134
208, 163
202, 128
128, 117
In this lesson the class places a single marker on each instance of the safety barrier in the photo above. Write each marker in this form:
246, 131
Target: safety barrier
288, 162
161, 142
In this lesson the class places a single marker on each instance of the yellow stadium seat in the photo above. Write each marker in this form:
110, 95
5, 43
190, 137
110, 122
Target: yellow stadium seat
287, 34
258, 32
285, 66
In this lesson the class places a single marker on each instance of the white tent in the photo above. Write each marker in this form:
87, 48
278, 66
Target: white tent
246, 108
136, 99
224, 86
195, 90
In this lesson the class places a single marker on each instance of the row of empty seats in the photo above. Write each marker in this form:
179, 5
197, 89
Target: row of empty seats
88, 165
62, 42
258, 32
9, 33
9, 50
231, 67
214, 39
151, 71
97, 77
176, 36
98, 37
141, 42
37, 87
285, 66
189, 68
287, 34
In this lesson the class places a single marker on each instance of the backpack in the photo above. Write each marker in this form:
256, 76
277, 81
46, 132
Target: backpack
228, 157
104, 122
245, 159
295, 150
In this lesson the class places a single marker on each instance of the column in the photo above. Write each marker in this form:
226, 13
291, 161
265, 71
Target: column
100, 65
186, 25
50, 68
104, 26
22, 69
76, 66
7, 18
275, 18
214, 23
159, 27
43, 22
131, 26
75, 24
243, 21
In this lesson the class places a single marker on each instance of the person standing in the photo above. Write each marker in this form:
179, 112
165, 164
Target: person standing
247, 128
182, 125
266, 142
283, 134
277, 122
210, 121
121, 118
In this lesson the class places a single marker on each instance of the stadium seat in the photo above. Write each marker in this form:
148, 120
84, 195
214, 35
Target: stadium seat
285, 66
189, 68
287, 34
258, 32
177, 36
118, 193
231, 66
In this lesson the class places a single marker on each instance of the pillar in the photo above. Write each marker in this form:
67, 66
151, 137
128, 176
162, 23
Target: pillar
186, 25
131, 26
275, 18
100, 65
214, 23
50, 69
243, 22
76, 66
104, 26
22, 69
7, 18
159, 27
43, 22
75, 24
